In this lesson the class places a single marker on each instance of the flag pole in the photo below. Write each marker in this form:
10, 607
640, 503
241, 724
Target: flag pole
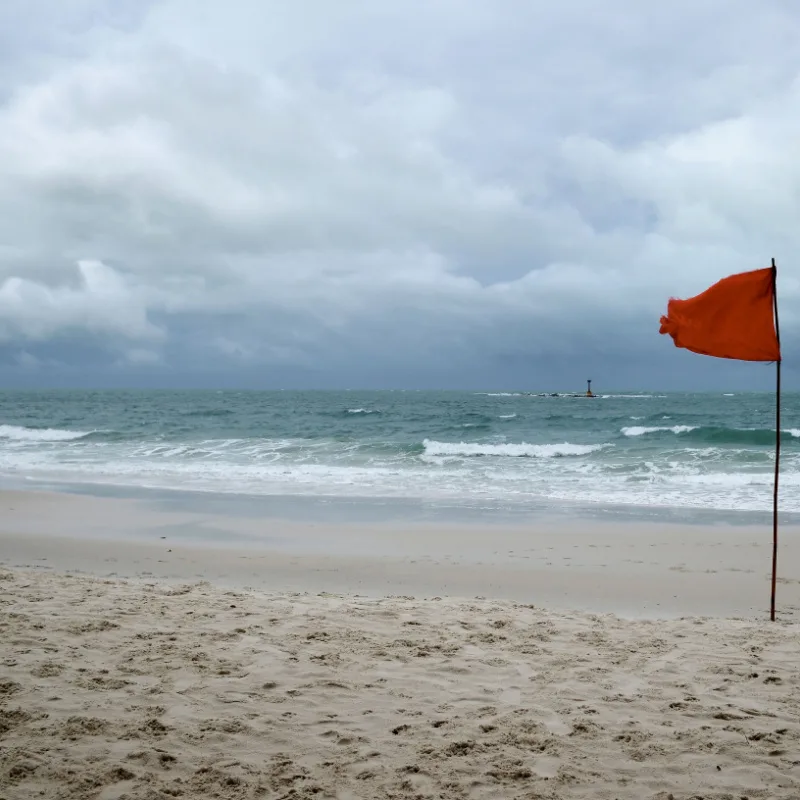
777, 447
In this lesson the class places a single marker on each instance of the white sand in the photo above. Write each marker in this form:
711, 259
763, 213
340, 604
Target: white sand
112, 689
154, 651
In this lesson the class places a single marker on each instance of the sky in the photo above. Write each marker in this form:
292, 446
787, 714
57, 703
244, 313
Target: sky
389, 193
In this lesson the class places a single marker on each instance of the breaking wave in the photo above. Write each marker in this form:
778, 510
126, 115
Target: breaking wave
471, 449
640, 430
18, 433
714, 435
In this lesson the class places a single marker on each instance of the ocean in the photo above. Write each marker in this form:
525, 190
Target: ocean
488, 450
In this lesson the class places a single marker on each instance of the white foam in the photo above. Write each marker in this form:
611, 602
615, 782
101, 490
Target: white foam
638, 430
721, 491
524, 450
507, 416
19, 434
473, 471
791, 431
361, 411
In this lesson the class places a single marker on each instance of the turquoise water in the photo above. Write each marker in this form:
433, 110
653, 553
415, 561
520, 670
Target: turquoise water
712, 451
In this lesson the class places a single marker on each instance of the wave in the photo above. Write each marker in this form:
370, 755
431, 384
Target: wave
524, 450
18, 433
640, 430
507, 416
716, 435
362, 411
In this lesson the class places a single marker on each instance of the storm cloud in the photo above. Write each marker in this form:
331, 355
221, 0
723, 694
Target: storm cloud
396, 193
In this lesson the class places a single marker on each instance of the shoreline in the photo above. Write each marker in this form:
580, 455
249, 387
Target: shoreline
635, 570
378, 508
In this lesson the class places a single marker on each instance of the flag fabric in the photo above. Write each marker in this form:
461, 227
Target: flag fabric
734, 318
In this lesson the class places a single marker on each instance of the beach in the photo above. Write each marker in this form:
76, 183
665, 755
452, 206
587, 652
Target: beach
145, 658
399, 401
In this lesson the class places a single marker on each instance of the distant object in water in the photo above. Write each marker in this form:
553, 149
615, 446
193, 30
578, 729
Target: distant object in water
588, 393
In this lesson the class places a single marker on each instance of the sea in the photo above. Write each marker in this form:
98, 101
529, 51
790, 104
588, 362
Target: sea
492, 450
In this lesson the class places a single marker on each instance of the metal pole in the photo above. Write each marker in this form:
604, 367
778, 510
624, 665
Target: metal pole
777, 448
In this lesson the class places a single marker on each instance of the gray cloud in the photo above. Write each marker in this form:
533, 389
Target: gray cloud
387, 194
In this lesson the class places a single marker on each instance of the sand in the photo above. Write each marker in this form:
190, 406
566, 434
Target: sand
179, 650
124, 689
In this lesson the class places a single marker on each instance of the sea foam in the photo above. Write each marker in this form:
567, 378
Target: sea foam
523, 450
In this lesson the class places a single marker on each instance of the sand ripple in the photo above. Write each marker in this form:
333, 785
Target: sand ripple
113, 690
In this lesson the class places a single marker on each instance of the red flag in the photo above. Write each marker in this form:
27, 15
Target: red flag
734, 318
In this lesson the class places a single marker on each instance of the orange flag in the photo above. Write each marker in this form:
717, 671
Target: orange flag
731, 319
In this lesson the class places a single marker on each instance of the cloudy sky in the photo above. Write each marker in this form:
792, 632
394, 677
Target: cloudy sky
389, 193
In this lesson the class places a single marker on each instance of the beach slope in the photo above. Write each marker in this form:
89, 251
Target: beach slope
112, 689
